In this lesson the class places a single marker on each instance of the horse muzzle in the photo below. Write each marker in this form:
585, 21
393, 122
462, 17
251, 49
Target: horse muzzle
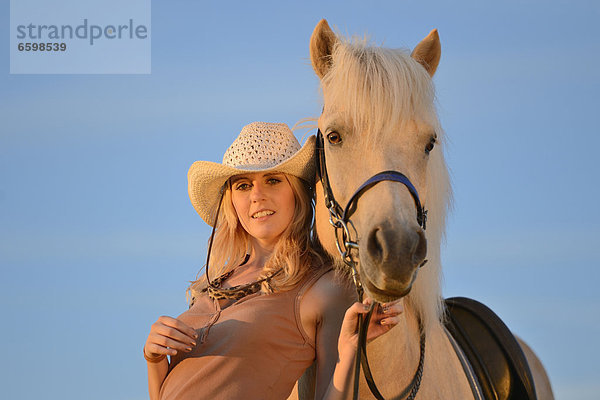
390, 260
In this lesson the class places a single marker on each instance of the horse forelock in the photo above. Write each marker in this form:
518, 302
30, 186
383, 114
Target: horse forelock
379, 90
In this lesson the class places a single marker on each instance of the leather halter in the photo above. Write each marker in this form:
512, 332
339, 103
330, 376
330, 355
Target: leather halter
339, 218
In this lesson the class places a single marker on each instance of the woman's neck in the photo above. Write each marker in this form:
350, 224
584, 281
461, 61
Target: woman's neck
260, 252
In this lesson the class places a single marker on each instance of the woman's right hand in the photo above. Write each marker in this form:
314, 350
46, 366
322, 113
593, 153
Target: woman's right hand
168, 336
384, 318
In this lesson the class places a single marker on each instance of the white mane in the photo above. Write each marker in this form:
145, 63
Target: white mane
381, 89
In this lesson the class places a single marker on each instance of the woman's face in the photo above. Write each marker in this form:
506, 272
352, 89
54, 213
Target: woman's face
264, 203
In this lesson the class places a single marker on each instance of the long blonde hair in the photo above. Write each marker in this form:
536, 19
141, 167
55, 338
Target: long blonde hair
295, 253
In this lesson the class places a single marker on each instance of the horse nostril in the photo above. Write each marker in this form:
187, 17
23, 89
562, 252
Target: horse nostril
374, 247
421, 249
386, 246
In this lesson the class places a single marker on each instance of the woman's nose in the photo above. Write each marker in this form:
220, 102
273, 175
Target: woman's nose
257, 192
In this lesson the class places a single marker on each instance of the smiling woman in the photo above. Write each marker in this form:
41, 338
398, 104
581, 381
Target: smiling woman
271, 305
265, 204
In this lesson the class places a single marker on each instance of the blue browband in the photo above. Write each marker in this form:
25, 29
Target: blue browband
394, 176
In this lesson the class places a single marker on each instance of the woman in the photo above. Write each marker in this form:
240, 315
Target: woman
274, 306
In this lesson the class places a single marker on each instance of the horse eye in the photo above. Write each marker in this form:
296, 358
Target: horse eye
430, 145
334, 138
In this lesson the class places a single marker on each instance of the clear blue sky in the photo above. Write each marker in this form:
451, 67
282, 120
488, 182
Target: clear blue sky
98, 238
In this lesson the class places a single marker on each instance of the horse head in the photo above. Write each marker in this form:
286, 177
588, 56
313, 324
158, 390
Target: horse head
379, 115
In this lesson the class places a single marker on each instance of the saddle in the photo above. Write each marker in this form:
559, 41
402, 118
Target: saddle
492, 350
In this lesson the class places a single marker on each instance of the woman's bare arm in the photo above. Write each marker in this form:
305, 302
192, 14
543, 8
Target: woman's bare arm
156, 375
322, 311
167, 336
336, 337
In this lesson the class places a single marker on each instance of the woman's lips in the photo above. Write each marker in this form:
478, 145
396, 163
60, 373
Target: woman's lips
262, 214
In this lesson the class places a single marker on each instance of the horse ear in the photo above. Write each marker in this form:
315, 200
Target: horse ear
321, 47
428, 52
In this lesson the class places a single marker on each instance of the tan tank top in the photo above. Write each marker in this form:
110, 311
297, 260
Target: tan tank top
255, 348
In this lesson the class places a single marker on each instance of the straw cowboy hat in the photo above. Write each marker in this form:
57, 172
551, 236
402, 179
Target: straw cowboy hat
260, 147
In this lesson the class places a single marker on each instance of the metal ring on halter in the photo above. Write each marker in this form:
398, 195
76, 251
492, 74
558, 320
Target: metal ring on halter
344, 243
343, 253
347, 259
352, 245
337, 224
346, 235
334, 217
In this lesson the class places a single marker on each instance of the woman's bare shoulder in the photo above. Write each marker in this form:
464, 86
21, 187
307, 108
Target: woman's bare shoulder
325, 303
330, 291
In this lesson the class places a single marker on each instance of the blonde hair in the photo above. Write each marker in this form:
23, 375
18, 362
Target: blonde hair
295, 253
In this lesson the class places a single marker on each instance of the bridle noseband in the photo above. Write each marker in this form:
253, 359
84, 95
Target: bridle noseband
339, 218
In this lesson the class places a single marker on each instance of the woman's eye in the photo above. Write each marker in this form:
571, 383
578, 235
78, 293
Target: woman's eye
273, 181
430, 145
334, 138
242, 186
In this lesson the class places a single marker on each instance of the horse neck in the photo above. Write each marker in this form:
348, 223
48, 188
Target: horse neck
403, 340
394, 359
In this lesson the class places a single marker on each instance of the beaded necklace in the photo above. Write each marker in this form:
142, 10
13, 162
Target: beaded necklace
215, 291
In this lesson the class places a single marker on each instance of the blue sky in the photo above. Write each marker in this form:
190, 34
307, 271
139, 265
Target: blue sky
98, 238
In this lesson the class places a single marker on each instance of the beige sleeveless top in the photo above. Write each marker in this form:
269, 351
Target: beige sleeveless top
255, 348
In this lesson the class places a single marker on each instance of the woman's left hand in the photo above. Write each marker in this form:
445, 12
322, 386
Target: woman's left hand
385, 317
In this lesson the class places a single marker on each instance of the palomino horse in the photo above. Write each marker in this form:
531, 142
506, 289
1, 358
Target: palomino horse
379, 115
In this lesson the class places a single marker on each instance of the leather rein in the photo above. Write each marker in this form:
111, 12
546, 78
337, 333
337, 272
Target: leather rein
339, 218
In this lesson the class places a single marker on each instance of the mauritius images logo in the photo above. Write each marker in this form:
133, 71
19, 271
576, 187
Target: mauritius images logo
84, 31
80, 37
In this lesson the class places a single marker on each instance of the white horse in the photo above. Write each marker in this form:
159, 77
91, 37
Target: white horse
379, 115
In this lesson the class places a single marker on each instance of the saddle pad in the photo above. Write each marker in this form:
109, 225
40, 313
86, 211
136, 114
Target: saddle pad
494, 353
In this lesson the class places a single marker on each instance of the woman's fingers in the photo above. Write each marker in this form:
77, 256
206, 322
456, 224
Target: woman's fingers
154, 350
392, 308
173, 333
381, 311
385, 316
389, 321
178, 326
354, 310
168, 336
350, 322
167, 341
387, 310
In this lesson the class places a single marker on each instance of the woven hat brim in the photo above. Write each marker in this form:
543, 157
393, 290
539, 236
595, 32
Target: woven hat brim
206, 178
